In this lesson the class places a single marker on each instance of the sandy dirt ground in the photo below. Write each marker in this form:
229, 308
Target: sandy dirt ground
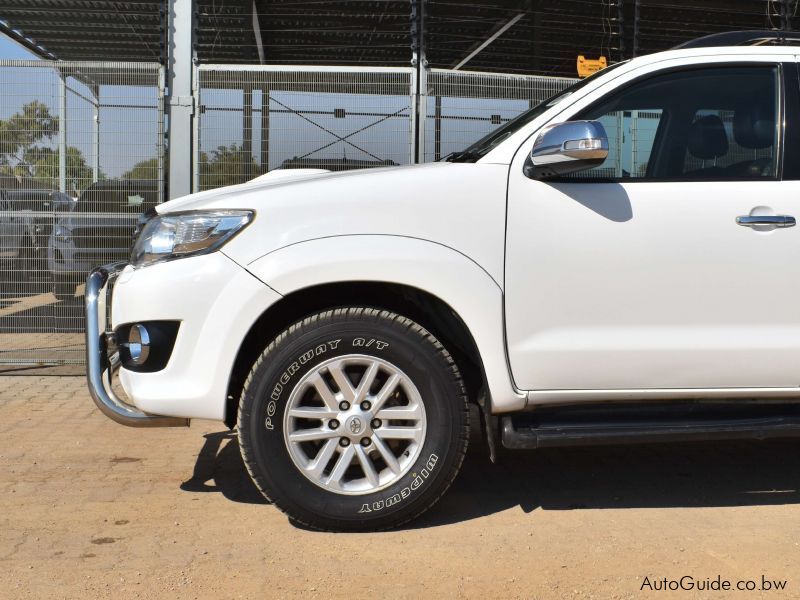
90, 509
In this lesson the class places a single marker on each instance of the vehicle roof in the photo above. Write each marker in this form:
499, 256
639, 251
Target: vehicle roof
744, 51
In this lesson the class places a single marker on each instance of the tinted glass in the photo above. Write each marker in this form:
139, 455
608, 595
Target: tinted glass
699, 124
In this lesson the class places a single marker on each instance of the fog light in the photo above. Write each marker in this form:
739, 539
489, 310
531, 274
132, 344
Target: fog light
138, 344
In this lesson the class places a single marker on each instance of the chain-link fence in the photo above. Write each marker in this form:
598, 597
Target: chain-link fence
81, 156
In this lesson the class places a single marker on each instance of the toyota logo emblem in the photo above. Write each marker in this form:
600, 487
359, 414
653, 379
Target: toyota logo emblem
355, 425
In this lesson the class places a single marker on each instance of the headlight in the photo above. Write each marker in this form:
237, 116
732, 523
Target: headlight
186, 234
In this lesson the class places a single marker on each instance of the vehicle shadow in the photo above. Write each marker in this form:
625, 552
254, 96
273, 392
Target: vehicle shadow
702, 474
219, 468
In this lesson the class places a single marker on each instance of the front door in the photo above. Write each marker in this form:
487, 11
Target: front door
636, 274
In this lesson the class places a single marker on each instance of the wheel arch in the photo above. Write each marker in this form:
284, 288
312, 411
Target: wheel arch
440, 288
433, 313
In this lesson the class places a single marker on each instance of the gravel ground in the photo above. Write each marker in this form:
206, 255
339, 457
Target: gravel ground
90, 509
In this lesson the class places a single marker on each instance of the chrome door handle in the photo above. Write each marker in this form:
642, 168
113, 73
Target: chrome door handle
767, 220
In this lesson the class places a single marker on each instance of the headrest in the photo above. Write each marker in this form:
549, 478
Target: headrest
754, 125
707, 138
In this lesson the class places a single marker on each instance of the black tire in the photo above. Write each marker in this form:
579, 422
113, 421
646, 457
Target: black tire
329, 334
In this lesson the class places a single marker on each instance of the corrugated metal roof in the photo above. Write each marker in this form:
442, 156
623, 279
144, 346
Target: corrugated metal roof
89, 29
545, 39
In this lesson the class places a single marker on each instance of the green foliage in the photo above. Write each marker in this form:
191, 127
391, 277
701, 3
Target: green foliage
23, 156
43, 165
227, 165
22, 130
145, 169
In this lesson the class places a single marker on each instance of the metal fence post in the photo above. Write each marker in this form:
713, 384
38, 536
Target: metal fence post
96, 133
196, 131
161, 133
422, 118
419, 84
264, 159
247, 131
62, 132
181, 100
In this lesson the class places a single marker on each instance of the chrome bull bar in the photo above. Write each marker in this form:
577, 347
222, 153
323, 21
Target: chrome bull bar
100, 366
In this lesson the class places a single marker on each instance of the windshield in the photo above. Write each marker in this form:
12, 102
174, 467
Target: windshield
489, 142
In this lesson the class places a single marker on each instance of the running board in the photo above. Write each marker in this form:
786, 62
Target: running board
522, 433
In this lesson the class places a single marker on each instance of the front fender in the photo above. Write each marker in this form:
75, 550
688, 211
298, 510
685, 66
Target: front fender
437, 269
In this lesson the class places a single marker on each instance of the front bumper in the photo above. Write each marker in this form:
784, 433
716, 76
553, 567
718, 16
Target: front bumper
102, 363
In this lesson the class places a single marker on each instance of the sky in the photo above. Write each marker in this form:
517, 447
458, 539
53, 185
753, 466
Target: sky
12, 50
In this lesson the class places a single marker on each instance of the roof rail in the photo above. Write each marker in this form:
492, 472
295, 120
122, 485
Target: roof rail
744, 38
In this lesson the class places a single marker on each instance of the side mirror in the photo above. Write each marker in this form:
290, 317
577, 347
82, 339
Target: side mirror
567, 148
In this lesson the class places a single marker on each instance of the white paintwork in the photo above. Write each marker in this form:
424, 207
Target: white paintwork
649, 285
288, 174
612, 291
216, 301
447, 274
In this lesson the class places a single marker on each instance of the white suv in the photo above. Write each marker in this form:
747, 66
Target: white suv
616, 264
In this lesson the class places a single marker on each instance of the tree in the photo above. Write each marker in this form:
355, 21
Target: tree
22, 131
145, 169
43, 165
22, 153
227, 165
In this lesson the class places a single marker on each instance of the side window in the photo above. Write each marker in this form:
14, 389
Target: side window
631, 134
710, 123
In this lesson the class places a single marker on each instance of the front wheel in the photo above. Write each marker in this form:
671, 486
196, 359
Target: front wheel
354, 419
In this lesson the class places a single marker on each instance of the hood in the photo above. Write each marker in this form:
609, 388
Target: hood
459, 205
289, 174
207, 199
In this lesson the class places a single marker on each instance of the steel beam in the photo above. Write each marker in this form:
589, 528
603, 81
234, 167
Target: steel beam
181, 100
27, 43
492, 37
257, 34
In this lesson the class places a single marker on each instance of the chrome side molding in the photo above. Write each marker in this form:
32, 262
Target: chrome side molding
100, 367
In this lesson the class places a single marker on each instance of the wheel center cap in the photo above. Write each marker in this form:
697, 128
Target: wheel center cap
355, 425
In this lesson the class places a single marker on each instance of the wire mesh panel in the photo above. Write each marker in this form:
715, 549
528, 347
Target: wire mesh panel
256, 119
81, 156
464, 106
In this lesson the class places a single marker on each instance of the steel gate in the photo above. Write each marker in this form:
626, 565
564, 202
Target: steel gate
81, 155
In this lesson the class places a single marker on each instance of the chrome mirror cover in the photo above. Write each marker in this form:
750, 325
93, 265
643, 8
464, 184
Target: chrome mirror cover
568, 147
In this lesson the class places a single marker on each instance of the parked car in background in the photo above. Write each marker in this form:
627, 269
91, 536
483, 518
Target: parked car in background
22, 242
95, 229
